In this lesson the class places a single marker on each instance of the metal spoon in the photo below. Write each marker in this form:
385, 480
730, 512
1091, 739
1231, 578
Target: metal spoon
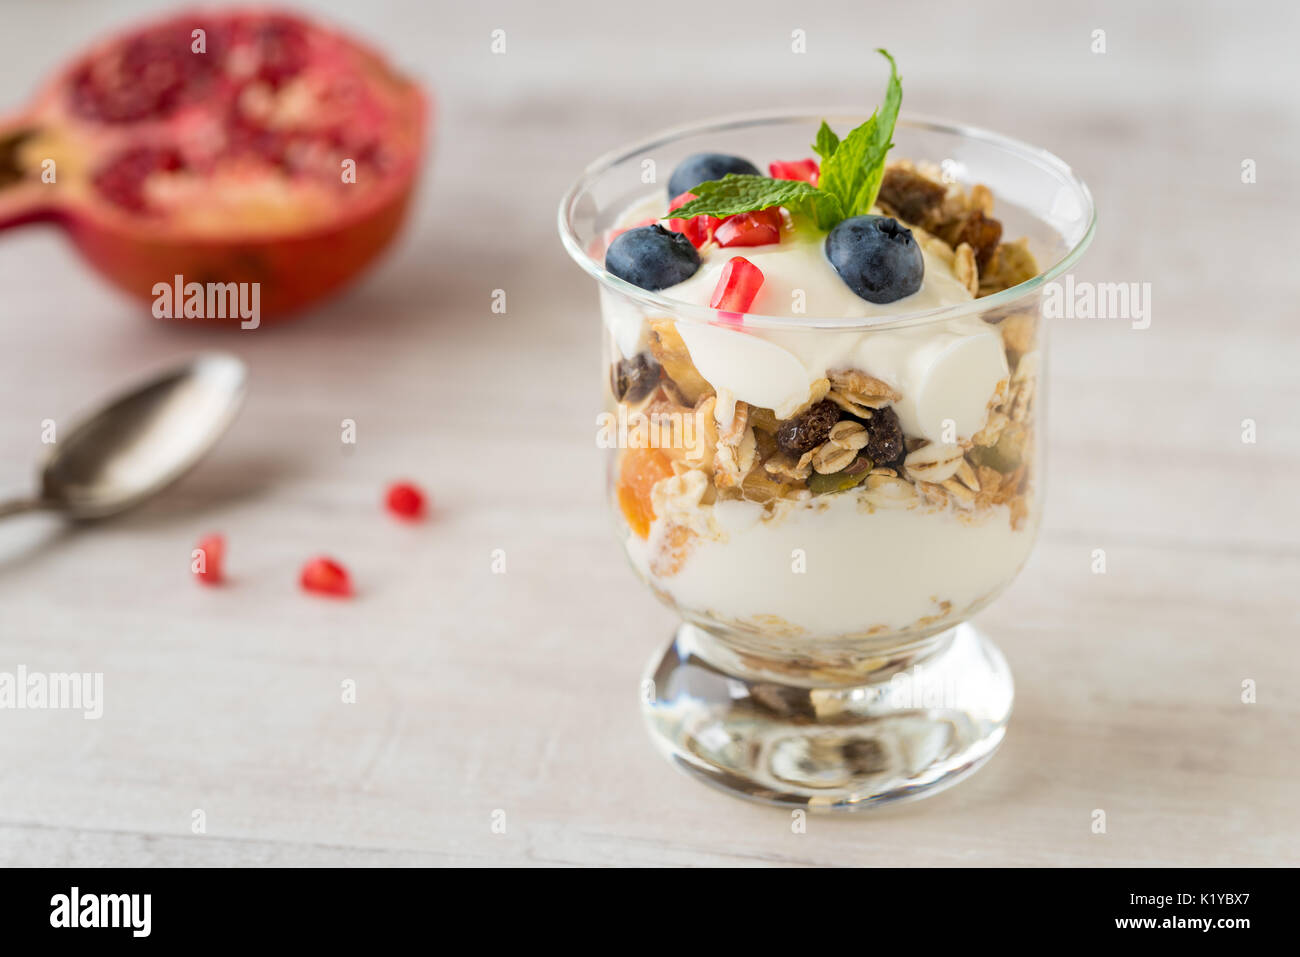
140, 442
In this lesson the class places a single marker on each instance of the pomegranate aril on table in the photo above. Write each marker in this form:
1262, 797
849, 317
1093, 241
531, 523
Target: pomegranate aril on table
406, 500
324, 576
208, 563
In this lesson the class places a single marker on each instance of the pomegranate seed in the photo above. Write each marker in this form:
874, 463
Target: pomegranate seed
207, 565
737, 287
326, 576
282, 45
693, 229
806, 170
122, 179
750, 229
148, 76
405, 500
681, 200
698, 229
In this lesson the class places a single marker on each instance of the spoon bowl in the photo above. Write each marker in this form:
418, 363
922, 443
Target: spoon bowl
141, 441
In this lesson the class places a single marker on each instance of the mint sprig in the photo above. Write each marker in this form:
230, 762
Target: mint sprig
742, 193
827, 142
851, 172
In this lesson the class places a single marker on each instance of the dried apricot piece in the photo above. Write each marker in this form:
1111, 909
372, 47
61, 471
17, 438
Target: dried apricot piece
638, 473
670, 350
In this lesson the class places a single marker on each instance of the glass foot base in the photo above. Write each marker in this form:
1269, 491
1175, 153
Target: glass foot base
917, 725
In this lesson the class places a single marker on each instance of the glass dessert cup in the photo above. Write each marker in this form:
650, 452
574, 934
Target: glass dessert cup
825, 658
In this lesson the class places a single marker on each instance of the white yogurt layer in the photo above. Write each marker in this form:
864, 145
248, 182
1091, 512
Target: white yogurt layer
890, 567
945, 371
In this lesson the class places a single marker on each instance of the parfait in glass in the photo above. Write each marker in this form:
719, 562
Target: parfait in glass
824, 415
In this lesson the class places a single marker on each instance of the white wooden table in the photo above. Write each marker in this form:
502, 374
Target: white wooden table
517, 692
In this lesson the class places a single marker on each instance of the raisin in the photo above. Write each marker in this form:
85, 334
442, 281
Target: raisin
983, 233
808, 430
884, 437
917, 200
633, 379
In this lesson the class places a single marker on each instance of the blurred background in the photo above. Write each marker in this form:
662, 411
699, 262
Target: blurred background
516, 692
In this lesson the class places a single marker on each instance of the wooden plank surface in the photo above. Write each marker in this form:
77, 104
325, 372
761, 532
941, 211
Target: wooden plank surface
517, 692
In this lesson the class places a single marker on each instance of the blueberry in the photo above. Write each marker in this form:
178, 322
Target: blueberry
704, 168
652, 257
877, 256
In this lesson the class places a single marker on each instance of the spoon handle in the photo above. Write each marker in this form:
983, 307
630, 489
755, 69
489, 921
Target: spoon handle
19, 505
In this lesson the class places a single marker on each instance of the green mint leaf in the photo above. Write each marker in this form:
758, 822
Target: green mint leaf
824, 208
737, 193
851, 173
854, 171
827, 142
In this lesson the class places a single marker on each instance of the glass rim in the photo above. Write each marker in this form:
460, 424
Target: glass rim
737, 121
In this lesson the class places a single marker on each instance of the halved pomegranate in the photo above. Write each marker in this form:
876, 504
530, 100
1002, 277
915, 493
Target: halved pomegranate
222, 147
